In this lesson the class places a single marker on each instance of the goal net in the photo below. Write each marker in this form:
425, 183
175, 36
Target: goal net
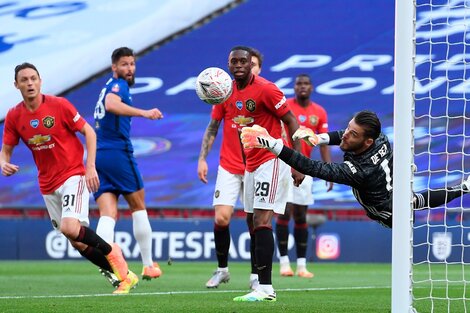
431, 248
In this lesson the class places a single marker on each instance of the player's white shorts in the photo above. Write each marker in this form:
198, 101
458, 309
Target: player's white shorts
267, 187
228, 188
69, 200
302, 195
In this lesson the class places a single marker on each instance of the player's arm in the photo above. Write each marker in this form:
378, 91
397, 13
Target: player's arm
341, 173
91, 176
8, 169
114, 105
291, 123
207, 141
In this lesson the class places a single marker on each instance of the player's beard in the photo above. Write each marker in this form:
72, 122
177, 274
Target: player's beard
351, 146
130, 81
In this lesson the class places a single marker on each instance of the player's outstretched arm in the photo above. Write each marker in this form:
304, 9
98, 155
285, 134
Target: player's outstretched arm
8, 169
114, 105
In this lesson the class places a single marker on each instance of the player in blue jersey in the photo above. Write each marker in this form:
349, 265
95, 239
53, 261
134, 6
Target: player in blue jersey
115, 162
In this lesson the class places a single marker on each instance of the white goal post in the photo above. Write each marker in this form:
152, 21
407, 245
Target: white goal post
431, 249
402, 158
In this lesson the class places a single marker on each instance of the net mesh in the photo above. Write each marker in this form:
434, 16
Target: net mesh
441, 236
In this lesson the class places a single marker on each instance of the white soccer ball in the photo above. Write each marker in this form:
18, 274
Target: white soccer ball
213, 85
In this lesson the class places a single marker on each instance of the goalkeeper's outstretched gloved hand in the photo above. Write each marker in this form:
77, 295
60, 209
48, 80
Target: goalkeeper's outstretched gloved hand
258, 137
307, 135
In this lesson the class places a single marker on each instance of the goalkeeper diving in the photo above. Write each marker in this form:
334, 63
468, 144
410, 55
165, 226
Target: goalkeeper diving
367, 165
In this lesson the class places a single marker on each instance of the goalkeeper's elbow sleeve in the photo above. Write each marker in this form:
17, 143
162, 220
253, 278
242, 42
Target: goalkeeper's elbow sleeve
323, 139
277, 147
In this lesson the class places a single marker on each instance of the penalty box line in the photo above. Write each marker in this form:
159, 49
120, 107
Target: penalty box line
164, 293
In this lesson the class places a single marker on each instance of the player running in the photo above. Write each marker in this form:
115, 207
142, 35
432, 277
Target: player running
48, 125
115, 161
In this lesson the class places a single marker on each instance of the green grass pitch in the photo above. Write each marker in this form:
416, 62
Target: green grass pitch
76, 286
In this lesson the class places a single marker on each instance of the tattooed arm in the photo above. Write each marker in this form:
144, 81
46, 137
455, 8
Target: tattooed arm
207, 141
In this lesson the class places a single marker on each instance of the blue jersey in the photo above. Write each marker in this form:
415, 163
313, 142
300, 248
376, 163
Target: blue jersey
113, 131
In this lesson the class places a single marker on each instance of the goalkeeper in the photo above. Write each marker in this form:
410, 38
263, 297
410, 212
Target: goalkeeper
367, 166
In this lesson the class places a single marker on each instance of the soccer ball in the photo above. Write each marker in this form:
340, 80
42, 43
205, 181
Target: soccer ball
213, 85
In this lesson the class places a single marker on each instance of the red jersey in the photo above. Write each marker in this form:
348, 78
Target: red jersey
260, 102
313, 116
49, 133
231, 158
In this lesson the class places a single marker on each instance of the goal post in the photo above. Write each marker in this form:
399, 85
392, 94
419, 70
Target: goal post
403, 156
431, 248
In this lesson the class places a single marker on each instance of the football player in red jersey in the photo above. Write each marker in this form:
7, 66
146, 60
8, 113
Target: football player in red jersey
311, 115
229, 182
48, 125
259, 101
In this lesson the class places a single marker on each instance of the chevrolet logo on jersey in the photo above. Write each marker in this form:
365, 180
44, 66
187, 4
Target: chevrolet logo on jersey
39, 139
243, 120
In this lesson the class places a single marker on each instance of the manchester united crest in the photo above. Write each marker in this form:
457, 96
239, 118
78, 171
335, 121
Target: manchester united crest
313, 120
250, 105
48, 121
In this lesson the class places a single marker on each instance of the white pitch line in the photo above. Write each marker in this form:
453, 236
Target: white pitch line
162, 293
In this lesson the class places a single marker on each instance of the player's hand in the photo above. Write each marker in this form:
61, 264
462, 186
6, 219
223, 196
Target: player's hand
153, 114
92, 179
257, 137
298, 177
307, 135
9, 169
202, 170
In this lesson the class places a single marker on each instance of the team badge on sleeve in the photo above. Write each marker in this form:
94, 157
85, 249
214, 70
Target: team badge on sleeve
115, 88
48, 121
280, 103
76, 117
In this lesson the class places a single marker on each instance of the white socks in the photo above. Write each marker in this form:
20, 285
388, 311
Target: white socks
284, 260
143, 235
302, 262
105, 228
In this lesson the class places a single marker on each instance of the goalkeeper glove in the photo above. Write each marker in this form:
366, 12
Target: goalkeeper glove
258, 137
307, 135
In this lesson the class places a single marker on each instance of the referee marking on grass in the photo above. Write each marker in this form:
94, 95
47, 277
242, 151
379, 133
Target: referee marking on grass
163, 293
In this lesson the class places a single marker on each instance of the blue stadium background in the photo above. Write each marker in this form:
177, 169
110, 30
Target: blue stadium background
168, 149
346, 48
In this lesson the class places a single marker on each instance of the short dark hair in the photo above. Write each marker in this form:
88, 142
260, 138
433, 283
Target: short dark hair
304, 75
256, 53
121, 52
370, 122
244, 48
22, 66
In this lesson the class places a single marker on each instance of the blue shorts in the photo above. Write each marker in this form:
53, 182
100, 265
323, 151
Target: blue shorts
118, 172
